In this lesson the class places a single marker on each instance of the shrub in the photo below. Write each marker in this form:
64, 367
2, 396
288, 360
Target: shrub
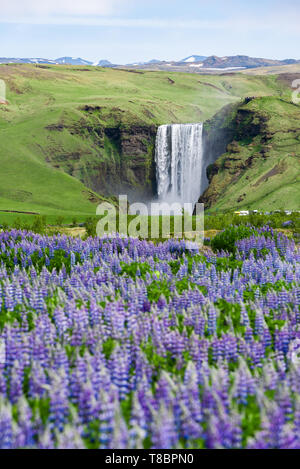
60, 221
90, 227
17, 224
39, 224
226, 239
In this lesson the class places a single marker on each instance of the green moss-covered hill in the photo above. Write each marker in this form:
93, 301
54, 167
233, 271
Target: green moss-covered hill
261, 167
67, 133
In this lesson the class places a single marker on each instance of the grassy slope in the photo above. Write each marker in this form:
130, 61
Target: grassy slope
264, 172
39, 97
275, 69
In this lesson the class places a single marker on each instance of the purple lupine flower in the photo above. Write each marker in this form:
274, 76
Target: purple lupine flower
70, 438
59, 405
26, 431
86, 404
106, 417
6, 426
163, 430
16, 382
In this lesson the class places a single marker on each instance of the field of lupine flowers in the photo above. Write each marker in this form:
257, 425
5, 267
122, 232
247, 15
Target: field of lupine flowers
121, 343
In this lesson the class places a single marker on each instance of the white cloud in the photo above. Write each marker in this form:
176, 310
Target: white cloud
110, 13
242, 25
37, 8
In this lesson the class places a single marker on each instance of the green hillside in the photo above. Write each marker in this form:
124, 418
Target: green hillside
66, 129
261, 168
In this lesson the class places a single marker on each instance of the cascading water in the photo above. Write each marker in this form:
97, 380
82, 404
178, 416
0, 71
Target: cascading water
180, 170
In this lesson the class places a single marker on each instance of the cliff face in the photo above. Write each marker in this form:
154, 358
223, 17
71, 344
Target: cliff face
111, 158
217, 133
252, 149
132, 150
260, 166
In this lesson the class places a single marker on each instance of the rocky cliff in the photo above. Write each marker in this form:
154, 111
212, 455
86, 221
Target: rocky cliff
111, 158
260, 167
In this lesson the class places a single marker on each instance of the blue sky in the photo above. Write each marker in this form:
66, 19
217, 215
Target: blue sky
125, 31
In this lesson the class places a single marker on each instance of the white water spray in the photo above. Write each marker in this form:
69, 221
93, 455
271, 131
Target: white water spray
180, 170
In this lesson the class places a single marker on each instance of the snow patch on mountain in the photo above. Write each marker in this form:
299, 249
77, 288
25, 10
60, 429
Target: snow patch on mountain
193, 58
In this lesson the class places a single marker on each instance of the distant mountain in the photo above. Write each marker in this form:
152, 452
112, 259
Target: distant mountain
12, 60
193, 58
193, 63
212, 64
104, 63
242, 61
59, 61
72, 61
154, 61
150, 62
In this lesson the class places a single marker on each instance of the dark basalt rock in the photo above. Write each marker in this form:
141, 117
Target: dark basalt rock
113, 159
135, 140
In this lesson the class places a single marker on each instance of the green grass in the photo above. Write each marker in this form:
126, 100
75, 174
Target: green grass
273, 69
262, 172
35, 160
32, 91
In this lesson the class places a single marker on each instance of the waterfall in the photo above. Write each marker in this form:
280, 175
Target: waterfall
180, 172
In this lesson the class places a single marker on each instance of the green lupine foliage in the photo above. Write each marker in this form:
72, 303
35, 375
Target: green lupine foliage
251, 421
132, 269
226, 239
157, 289
108, 347
60, 259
